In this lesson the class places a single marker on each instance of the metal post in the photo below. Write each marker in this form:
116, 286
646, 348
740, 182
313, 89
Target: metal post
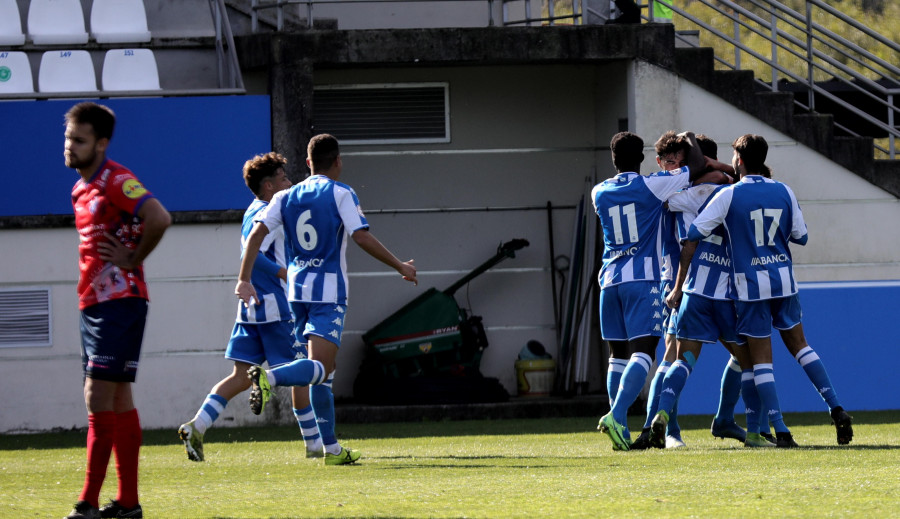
890, 121
254, 16
490, 13
809, 58
737, 40
551, 11
774, 51
280, 12
309, 15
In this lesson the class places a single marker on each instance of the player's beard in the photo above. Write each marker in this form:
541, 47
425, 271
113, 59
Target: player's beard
75, 162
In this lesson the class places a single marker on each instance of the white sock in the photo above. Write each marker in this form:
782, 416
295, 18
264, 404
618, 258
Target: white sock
334, 448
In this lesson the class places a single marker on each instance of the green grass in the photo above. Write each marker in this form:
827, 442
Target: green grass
507, 468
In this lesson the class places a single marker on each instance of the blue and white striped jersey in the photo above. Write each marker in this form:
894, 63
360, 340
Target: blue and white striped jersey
269, 287
318, 216
671, 248
709, 274
630, 207
760, 216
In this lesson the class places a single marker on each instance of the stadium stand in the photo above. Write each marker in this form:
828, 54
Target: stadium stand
56, 22
10, 24
119, 21
15, 73
129, 69
67, 71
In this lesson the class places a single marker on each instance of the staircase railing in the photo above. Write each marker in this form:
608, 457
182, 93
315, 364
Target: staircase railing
804, 51
228, 68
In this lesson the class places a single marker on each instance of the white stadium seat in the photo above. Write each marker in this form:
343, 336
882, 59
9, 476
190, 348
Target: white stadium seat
67, 71
119, 21
10, 24
54, 22
130, 69
15, 73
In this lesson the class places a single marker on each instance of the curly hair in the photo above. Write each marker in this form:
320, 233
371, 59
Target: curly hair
670, 142
627, 151
261, 167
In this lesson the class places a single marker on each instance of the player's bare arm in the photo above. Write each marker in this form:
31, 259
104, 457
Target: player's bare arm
715, 176
244, 289
673, 300
156, 221
369, 243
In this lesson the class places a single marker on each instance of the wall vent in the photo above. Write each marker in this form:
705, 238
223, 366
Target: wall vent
25, 317
383, 113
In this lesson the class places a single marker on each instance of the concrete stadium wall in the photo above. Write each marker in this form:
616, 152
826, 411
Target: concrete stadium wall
516, 144
851, 239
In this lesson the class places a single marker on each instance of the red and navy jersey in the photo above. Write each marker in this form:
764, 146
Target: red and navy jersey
108, 203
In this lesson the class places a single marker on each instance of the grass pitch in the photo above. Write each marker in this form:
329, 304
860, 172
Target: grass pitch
485, 469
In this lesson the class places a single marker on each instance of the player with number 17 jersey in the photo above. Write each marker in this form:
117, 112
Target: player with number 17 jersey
760, 216
326, 212
630, 207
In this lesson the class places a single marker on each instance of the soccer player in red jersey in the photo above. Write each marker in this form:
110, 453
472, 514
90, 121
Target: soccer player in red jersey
119, 223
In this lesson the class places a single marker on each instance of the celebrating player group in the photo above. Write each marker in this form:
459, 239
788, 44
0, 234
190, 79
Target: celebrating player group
699, 252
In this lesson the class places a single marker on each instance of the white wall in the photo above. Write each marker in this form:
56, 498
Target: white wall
515, 143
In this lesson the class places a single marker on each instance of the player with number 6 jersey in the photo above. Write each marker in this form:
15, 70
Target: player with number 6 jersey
326, 212
318, 216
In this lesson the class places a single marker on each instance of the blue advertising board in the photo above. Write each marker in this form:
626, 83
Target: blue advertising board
188, 151
849, 325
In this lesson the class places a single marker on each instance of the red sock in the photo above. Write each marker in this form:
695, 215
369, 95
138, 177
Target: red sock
101, 430
127, 447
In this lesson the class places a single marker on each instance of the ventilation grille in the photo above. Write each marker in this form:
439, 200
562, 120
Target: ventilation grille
25, 318
383, 114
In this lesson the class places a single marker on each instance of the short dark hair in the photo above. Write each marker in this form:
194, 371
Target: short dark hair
101, 118
671, 142
708, 147
627, 151
261, 167
322, 151
753, 150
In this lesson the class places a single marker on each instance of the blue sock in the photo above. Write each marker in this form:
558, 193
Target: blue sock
656, 387
815, 370
752, 402
730, 391
764, 376
306, 419
673, 384
209, 412
301, 372
673, 429
323, 403
614, 377
633, 379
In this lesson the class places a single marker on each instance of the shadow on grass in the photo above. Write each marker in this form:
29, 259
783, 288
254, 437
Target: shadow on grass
77, 437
